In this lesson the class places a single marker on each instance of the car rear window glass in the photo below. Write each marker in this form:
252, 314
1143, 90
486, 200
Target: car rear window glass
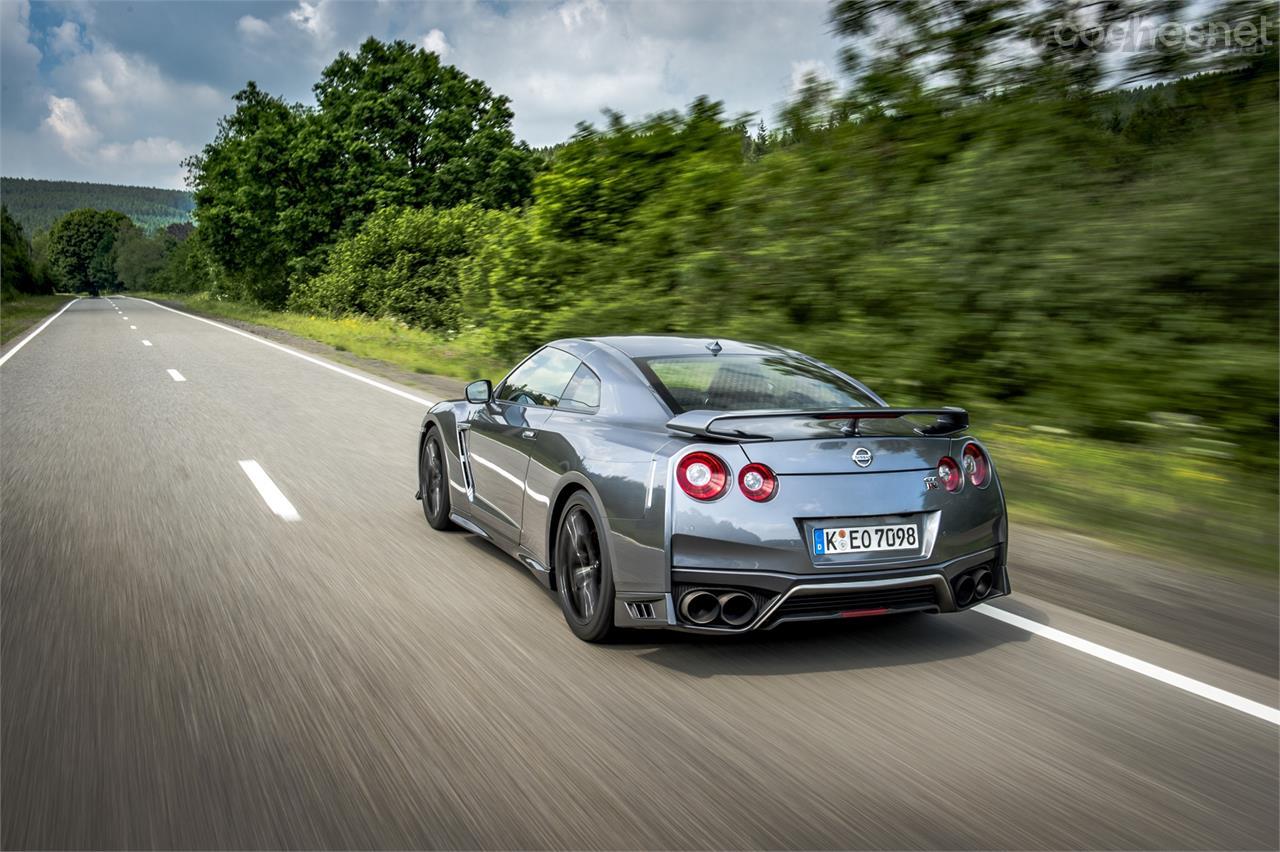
583, 392
749, 382
541, 379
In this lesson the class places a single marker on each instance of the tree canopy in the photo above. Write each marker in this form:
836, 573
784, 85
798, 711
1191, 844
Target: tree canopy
82, 249
18, 268
393, 126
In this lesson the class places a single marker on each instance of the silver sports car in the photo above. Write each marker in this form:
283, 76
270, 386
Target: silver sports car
715, 486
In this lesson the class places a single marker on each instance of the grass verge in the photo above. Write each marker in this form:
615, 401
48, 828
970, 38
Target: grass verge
463, 356
20, 313
1161, 498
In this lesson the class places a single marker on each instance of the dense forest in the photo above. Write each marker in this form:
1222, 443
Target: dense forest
37, 204
976, 213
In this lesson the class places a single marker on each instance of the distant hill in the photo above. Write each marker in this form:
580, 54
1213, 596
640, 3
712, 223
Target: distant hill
37, 204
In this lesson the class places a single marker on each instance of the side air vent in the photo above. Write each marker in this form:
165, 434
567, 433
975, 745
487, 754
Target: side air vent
642, 610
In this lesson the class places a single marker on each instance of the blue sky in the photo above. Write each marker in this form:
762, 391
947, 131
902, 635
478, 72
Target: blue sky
121, 91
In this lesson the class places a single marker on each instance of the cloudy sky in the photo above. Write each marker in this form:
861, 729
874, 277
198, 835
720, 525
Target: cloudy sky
121, 91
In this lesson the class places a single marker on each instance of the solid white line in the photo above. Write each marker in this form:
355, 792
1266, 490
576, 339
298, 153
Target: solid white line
319, 363
177, 377
275, 498
23, 342
146, 343
1133, 664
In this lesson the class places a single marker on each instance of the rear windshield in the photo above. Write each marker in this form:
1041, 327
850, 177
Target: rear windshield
749, 382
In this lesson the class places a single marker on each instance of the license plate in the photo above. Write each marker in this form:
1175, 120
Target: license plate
829, 540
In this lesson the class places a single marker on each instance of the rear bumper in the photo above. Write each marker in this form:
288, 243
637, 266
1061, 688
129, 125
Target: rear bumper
783, 598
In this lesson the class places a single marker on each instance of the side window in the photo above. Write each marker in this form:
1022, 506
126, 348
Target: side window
540, 380
583, 392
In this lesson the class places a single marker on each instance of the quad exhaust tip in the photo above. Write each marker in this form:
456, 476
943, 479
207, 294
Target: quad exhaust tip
737, 608
731, 608
973, 586
700, 607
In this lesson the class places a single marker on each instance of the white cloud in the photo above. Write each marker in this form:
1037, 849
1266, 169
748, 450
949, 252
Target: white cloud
154, 150
67, 122
435, 42
252, 27
310, 18
576, 13
65, 38
123, 92
154, 155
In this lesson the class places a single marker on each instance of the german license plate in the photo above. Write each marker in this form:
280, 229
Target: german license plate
827, 540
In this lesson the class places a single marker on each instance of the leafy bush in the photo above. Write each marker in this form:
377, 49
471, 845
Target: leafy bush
403, 264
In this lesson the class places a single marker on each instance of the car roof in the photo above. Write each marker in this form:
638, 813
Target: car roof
662, 345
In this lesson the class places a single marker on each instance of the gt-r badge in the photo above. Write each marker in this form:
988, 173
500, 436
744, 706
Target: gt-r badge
862, 457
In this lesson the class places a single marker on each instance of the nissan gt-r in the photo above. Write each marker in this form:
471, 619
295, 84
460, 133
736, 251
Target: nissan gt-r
715, 486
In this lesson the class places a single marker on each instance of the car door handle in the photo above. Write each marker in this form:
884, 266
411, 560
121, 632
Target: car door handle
529, 434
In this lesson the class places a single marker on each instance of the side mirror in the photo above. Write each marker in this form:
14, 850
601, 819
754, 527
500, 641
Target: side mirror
481, 392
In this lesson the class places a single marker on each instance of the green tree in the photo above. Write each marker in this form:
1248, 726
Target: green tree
243, 182
191, 267
411, 131
393, 127
17, 267
141, 258
81, 249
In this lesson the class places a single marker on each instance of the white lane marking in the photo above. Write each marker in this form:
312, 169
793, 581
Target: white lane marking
126, 319
176, 376
1133, 664
23, 342
319, 363
134, 327
146, 343
274, 497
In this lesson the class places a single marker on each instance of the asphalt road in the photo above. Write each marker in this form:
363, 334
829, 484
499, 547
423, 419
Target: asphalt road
185, 668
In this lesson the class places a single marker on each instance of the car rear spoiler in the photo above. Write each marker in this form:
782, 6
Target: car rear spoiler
947, 421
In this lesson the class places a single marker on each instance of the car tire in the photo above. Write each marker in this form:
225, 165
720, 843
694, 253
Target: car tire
433, 481
584, 576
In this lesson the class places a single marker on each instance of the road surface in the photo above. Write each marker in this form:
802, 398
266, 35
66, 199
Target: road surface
226, 624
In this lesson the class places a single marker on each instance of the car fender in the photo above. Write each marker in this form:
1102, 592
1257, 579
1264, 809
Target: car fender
445, 416
572, 481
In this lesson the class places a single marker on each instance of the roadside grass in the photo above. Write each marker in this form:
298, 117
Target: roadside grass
464, 356
1158, 498
1161, 497
20, 313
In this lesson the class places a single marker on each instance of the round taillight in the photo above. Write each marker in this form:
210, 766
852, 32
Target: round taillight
702, 476
757, 482
949, 474
975, 465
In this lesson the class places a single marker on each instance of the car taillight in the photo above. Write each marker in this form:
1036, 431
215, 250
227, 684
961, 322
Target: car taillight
949, 474
702, 476
975, 464
757, 482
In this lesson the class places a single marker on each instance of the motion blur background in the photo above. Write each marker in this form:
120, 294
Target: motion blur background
1061, 215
